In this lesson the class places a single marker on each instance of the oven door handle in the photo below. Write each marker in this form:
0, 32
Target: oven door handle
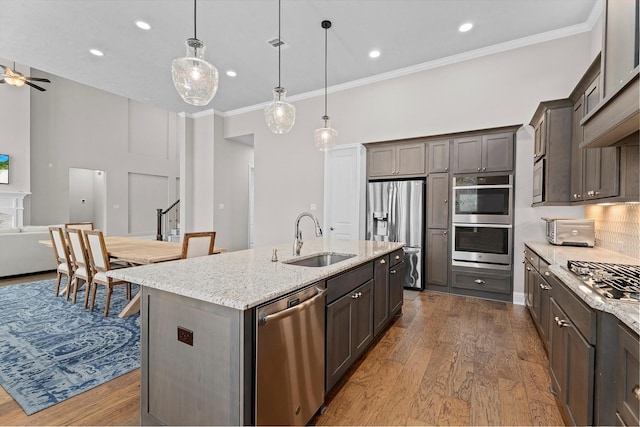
479, 187
475, 225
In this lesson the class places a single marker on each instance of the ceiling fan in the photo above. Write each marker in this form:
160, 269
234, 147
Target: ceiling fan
14, 78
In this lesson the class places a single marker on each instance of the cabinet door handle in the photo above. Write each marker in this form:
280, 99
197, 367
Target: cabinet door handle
479, 281
383, 261
446, 169
546, 273
445, 200
528, 268
445, 233
484, 169
397, 257
544, 287
479, 169
560, 322
392, 272
355, 296
531, 259
636, 391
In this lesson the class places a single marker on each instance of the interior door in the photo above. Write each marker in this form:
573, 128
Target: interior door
344, 193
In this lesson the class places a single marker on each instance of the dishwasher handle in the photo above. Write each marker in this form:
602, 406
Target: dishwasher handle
292, 310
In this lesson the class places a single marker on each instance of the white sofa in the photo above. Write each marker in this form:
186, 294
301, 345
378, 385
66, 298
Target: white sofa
20, 252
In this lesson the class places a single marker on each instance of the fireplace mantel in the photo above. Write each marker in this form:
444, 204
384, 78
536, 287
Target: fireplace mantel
12, 208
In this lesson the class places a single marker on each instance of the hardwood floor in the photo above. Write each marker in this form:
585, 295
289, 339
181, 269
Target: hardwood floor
448, 360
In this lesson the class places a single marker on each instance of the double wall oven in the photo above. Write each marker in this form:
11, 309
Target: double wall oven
482, 221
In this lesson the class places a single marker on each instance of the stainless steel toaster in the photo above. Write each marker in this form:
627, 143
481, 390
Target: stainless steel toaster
570, 231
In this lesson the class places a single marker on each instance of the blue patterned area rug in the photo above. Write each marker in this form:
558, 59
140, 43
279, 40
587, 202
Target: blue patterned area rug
51, 349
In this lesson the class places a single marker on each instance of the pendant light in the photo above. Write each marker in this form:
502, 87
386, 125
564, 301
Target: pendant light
194, 78
279, 115
325, 137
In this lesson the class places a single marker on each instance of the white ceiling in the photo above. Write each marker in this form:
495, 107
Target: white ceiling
55, 36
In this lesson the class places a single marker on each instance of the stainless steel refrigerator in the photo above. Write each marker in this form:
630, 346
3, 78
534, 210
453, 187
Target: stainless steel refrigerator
395, 214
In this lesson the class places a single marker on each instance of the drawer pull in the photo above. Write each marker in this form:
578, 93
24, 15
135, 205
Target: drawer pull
531, 259
560, 322
544, 287
397, 257
383, 261
355, 296
528, 268
479, 281
546, 273
636, 391
392, 272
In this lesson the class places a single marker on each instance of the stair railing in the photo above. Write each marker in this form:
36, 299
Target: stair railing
172, 214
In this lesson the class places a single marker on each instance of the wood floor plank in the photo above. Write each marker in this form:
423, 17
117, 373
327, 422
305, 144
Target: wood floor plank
485, 406
395, 410
514, 407
454, 412
543, 414
460, 379
536, 382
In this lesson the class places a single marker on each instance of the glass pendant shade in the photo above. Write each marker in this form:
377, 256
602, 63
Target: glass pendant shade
325, 137
280, 115
194, 78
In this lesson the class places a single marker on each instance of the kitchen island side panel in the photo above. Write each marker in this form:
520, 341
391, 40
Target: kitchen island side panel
192, 367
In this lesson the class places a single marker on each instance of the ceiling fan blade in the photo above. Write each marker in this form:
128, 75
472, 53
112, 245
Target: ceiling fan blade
41, 89
37, 79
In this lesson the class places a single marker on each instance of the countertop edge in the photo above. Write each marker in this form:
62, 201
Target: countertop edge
626, 312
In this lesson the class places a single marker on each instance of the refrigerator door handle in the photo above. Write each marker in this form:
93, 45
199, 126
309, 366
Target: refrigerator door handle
393, 209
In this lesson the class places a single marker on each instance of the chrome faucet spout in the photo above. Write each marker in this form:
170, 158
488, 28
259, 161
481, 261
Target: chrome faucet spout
297, 242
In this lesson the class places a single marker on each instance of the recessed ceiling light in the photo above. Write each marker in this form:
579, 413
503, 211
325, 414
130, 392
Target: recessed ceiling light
143, 25
231, 73
374, 54
96, 52
465, 27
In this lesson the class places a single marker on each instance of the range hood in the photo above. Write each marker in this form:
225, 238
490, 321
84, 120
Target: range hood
617, 116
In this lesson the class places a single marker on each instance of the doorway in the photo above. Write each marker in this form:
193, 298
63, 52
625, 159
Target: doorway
88, 196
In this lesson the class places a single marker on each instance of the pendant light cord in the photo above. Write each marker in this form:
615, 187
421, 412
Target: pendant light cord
325, 74
279, 42
195, 33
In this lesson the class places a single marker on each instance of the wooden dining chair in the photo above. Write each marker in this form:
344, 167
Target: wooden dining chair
82, 270
79, 225
99, 259
63, 259
198, 244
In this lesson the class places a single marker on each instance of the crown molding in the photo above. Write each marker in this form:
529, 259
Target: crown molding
442, 62
199, 114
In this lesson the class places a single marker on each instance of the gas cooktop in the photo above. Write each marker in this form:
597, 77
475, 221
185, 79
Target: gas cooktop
614, 281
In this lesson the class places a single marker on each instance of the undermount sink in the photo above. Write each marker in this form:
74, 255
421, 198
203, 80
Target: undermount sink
321, 259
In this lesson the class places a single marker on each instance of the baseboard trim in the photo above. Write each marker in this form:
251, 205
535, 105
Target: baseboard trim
518, 298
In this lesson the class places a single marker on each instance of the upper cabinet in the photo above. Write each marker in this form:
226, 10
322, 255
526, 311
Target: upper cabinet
400, 159
552, 152
438, 155
617, 115
483, 153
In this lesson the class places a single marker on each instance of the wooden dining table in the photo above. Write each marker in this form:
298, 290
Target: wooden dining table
136, 251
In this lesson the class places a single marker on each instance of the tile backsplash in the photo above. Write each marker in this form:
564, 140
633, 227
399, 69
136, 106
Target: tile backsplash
617, 227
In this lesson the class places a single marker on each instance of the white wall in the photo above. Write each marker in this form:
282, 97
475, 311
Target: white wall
81, 195
15, 133
231, 190
76, 126
495, 90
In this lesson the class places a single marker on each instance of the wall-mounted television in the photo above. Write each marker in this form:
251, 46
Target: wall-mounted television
4, 168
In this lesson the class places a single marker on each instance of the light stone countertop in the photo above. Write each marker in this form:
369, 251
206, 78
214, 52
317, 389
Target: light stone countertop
557, 257
245, 279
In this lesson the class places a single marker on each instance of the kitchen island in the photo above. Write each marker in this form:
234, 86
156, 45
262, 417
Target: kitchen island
199, 325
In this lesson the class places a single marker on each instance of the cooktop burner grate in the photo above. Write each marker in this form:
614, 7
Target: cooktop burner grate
616, 281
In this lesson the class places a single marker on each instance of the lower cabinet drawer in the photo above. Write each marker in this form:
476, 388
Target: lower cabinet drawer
346, 282
481, 281
396, 257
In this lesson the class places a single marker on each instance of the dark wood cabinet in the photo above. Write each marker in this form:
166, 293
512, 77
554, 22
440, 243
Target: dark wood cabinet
349, 331
577, 154
438, 156
483, 153
399, 159
572, 361
628, 377
437, 258
481, 282
620, 43
552, 124
438, 200
380, 294
538, 284
396, 278
601, 173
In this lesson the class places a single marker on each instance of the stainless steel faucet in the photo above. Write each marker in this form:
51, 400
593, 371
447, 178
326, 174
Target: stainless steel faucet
297, 242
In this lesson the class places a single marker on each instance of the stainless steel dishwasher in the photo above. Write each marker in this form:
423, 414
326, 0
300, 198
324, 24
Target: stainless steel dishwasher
290, 358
